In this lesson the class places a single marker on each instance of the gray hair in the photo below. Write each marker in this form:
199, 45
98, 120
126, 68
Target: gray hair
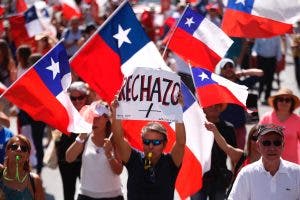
80, 86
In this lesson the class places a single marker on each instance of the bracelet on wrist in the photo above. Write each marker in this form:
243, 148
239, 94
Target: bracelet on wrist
79, 140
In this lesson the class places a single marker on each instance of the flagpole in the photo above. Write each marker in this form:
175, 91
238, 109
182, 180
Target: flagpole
191, 72
99, 29
173, 30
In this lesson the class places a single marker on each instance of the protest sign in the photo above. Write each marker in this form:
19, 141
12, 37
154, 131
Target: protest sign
150, 94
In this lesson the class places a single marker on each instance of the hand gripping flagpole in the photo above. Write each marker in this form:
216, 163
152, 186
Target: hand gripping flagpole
173, 30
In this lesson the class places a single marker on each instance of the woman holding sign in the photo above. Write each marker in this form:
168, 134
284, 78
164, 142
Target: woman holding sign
151, 173
100, 164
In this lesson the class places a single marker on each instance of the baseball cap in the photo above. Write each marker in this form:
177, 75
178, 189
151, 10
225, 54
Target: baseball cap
267, 128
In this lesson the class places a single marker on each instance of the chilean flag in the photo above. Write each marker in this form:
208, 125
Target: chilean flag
199, 41
260, 18
19, 32
21, 6
213, 89
70, 9
116, 49
32, 22
199, 141
42, 92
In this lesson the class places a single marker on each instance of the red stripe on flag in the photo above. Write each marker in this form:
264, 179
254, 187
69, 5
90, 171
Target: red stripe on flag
216, 94
189, 179
26, 93
19, 32
193, 50
239, 24
99, 66
69, 12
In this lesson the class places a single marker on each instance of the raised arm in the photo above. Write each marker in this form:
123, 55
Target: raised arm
233, 153
122, 146
178, 148
76, 148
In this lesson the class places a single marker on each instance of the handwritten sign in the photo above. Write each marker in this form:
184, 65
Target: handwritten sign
150, 94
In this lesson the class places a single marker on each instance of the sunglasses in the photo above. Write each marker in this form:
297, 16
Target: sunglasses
268, 143
154, 142
15, 147
254, 138
79, 98
282, 99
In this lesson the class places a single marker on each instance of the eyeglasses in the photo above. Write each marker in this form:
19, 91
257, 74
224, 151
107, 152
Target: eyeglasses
79, 98
268, 143
15, 147
282, 99
154, 142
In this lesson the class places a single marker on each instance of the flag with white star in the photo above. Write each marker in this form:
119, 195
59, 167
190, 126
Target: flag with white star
213, 89
42, 92
199, 41
114, 51
32, 23
260, 19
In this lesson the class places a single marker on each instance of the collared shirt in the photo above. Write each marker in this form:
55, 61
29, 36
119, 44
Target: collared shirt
255, 183
267, 47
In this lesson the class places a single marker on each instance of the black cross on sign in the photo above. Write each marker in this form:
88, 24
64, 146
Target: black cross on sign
149, 110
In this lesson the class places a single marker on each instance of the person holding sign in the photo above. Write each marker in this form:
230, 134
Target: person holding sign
151, 173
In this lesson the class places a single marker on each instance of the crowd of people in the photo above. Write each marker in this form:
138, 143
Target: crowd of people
264, 163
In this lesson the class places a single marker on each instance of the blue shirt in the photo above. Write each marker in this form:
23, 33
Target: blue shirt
267, 47
5, 135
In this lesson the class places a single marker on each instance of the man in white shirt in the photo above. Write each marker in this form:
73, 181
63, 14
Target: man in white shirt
271, 177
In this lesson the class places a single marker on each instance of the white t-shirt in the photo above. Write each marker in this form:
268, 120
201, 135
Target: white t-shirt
97, 178
255, 183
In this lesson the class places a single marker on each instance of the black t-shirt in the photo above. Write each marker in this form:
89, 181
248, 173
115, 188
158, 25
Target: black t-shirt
217, 177
143, 184
62, 146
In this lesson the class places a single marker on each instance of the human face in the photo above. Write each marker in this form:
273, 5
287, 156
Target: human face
18, 149
155, 149
284, 103
270, 146
78, 99
99, 122
213, 112
228, 71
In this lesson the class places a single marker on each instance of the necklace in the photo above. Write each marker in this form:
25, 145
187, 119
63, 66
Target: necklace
17, 178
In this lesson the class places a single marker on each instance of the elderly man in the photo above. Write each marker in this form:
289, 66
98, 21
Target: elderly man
271, 177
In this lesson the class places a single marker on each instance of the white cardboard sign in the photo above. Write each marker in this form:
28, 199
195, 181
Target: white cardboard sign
150, 94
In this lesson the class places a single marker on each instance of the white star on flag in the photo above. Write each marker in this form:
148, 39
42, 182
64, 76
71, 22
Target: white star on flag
54, 67
240, 1
122, 36
189, 21
203, 76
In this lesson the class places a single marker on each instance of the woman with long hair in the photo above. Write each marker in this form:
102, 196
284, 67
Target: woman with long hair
284, 103
101, 165
17, 181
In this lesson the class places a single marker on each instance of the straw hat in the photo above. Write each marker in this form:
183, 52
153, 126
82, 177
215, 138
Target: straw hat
286, 92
